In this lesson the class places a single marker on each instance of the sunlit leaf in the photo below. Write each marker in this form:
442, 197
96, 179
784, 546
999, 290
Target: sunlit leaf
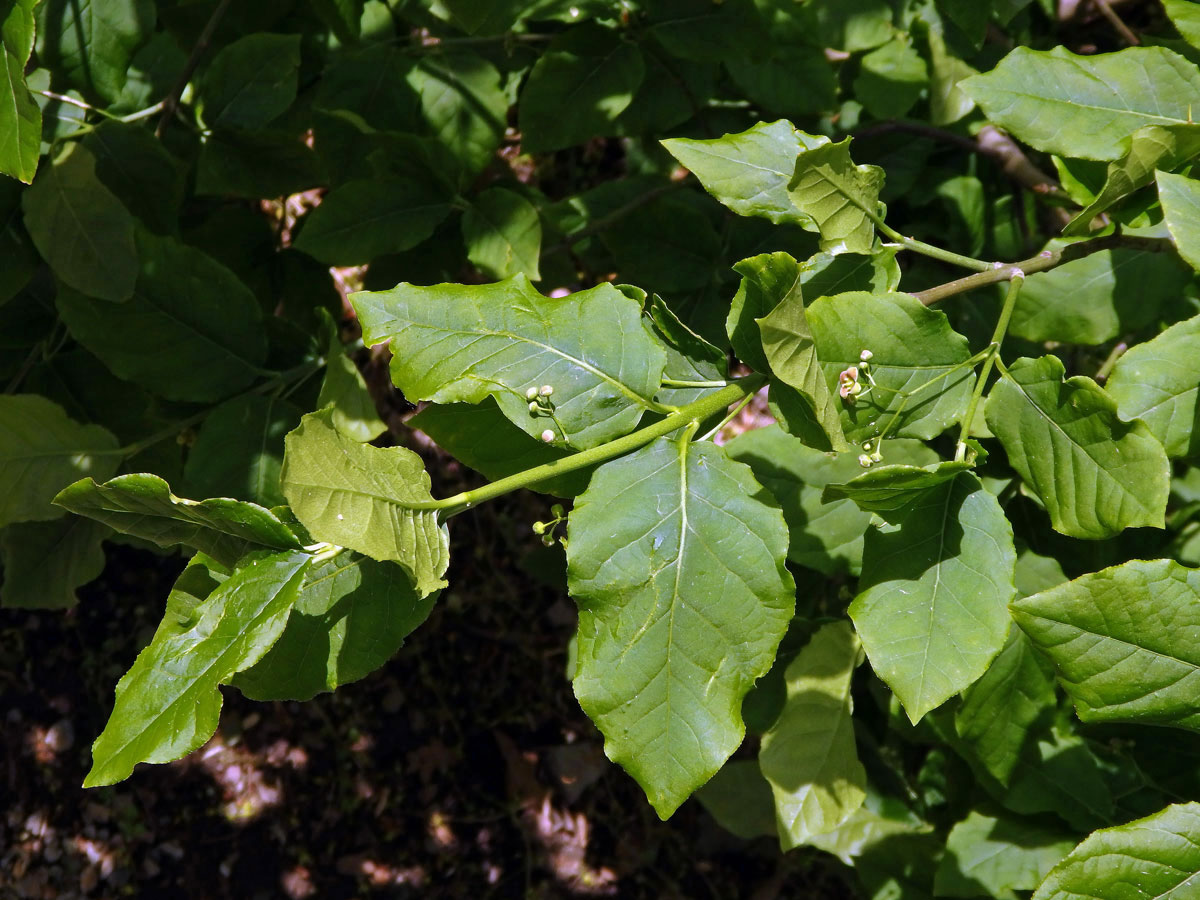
20, 116
1180, 198
838, 196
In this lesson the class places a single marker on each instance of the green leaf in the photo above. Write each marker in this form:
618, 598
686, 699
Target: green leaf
838, 196
191, 330
91, 44
345, 390
683, 598
1185, 16
931, 609
256, 164
1180, 198
1158, 381
1096, 298
463, 104
1157, 856
351, 615
947, 101
750, 172
887, 488
1085, 107
669, 246
808, 756
41, 452
1002, 710
891, 79
827, 537
707, 32
80, 228
1151, 147
583, 81
238, 451
991, 856
851, 25
1060, 774
44, 562
482, 438
251, 81
1095, 474
354, 495
149, 181
1120, 640
771, 81
20, 116
740, 799
503, 234
912, 346
362, 219
344, 17
168, 702
689, 356
143, 505
452, 343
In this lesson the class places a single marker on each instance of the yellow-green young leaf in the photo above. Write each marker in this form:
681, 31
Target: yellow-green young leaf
1154, 857
839, 196
41, 452
143, 505
503, 234
1095, 474
1180, 198
749, 172
891, 487
911, 345
1150, 147
456, 343
808, 756
92, 44
932, 604
168, 703
683, 598
1085, 107
20, 116
355, 495
80, 228
1124, 641
1000, 855
44, 562
351, 615
1158, 382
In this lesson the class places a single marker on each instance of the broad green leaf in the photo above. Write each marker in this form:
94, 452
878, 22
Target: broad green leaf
710, 32
1121, 641
168, 703
792, 355
1151, 147
670, 90
991, 856
1157, 856
41, 452
850, 25
683, 598
355, 495
345, 390
1096, 298
891, 79
239, 449
45, 562
1085, 107
1060, 774
81, 229
669, 246
771, 81
1185, 16
838, 196
143, 505
251, 81
740, 799
1095, 474
254, 164
482, 438
1180, 198
503, 234
132, 163
92, 43
689, 356
1001, 710
584, 80
351, 615
463, 104
808, 756
20, 116
451, 343
856, 840
911, 345
749, 172
932, 604
362, 219
947, 101
1158, 382
890, 487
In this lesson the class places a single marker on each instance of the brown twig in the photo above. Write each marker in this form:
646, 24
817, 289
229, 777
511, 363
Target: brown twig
1047, 259
1115, 21
171, 101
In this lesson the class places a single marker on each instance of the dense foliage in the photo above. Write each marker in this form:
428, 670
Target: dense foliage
979, 484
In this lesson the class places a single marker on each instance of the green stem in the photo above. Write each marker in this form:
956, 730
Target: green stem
132, 117
742, 404
675, 383
946, 256
693, 412
1016, 280
908, 395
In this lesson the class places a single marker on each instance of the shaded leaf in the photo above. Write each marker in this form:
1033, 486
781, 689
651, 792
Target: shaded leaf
133, 164
740, 799
1095, 474
689, 356
45, 562
503, 234
839, 197
709, 32
683, 597
92, 43
251, 81
991, 856
891, 79
1180, 198
463, 104
20, 116
891, 487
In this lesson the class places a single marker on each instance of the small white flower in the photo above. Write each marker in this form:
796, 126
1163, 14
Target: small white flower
865, 461
533, 406
865, 355
546, 390
548, 436
531, 393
